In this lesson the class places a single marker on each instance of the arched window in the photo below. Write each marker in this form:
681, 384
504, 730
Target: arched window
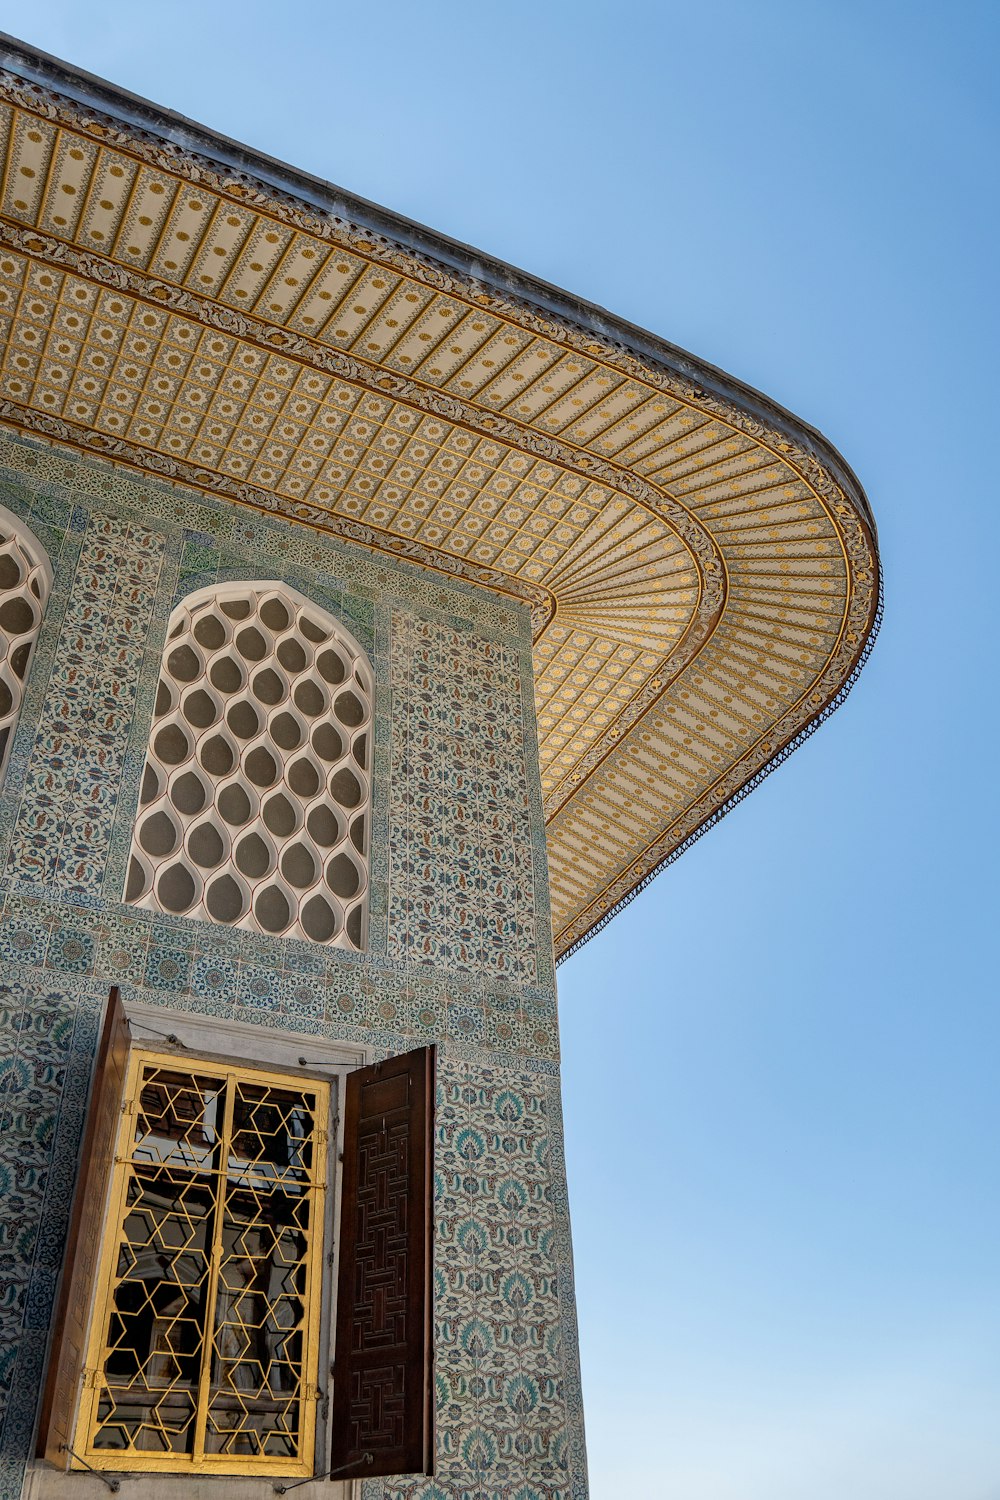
255, 807
25, 580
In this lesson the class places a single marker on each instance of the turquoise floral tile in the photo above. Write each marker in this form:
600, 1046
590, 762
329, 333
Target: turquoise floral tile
122, 953
213, 975
167, 969
72, 950
23, 943
257, 988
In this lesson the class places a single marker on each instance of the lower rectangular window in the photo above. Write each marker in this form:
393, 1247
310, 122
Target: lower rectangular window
196, 1320
205, 1338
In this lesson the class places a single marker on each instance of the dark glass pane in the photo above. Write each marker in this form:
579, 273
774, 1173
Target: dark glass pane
253, 857
279, 815
164, 699
172, 744
199, 709
224, 899
188, 794
175, 888
275, 616
349, 708
342, 876
210, 632
261, 767
183, 665
309, 697
291, 655
327, 742
345, 788
251, 644
271, 909
217, 756
226, 674
17, 616
19, 659
158, 836
331, 666
324, 825
303, 778
285, 732
136, 879
243, 721
298, 867
268, 686
312, 632
205, 846
318, 920
234, 805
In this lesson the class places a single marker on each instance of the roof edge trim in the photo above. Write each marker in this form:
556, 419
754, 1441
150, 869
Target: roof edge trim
323, 196
748, 786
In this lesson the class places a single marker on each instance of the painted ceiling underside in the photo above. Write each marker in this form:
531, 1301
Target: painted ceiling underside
701, 568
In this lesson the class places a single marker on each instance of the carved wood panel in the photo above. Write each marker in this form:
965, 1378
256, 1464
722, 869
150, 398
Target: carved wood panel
381, 1401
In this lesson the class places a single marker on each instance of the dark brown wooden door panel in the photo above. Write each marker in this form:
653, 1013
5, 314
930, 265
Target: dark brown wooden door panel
382, 1403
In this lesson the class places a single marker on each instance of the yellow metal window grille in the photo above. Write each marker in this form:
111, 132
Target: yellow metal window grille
205, 1338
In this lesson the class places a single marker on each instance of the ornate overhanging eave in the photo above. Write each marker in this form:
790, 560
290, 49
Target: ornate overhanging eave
701, 567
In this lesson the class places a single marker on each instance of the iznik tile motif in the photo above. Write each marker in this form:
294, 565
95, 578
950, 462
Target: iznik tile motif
67, 809
460, 848
459, 944
500, 1382
49, 1035
189, 965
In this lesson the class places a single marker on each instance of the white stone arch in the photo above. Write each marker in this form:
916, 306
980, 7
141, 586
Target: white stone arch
25, 584
255, 806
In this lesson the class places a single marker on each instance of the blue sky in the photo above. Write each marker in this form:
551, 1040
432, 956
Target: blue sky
781, 1061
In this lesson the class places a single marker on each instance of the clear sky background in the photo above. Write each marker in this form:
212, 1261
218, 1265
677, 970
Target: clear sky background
781, 1062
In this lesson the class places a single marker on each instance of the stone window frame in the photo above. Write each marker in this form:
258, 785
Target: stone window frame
289, 853
23, 553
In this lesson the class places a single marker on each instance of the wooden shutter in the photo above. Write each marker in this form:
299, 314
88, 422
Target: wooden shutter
382, 1402
69, 1339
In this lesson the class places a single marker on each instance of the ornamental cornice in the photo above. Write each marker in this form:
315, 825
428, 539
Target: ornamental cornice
700, 566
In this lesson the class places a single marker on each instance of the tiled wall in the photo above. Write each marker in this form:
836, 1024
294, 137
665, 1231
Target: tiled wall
460, 853
460, 948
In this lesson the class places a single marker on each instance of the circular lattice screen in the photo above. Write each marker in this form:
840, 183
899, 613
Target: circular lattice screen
256, 795
25, 577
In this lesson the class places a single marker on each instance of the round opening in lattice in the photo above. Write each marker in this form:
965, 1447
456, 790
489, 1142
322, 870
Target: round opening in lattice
256, 797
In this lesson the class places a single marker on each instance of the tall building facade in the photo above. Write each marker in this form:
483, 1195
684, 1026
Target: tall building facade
374, 622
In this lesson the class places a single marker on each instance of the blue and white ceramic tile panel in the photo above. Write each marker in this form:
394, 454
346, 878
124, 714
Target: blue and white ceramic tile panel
75, 769
459, 945
460, 847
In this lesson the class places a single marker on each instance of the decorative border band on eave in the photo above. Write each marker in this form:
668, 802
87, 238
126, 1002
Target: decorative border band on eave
410, 249
64, 257
744, 791
320, 210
